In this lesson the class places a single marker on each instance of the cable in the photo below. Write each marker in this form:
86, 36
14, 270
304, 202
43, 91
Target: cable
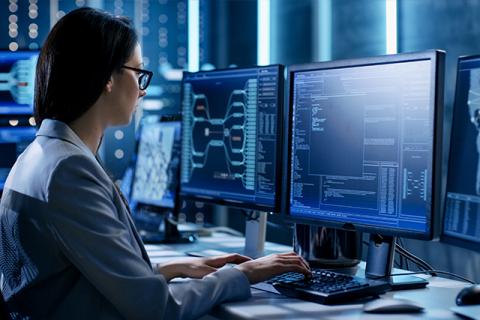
453, 275
404, 253
417, 260
409, 256
421, 264
401, 256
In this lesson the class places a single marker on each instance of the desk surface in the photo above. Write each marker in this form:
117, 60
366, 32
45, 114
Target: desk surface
437, 298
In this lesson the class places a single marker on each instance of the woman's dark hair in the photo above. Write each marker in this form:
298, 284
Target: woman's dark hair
80, 54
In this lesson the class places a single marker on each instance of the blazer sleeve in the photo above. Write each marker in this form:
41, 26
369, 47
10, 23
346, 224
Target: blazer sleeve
83, 220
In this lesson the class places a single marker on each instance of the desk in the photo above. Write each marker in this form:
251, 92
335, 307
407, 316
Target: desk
437, 298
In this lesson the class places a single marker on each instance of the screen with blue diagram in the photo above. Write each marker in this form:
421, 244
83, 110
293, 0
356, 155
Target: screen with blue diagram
17, 81
230, 135
155, 180
362, 145
462, 209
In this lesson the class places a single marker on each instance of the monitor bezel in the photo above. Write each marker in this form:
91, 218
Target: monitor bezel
150, 206
32, 106
446, 238
437, 69
280, 133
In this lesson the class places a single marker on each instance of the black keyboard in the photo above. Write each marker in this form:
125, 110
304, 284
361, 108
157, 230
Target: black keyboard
327, 287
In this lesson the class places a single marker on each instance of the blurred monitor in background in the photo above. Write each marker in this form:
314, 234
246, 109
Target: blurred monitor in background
17, 81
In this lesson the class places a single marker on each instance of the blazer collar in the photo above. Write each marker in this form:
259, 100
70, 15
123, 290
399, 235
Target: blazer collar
60, 130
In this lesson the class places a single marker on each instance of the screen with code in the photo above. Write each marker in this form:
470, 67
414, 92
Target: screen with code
362, 144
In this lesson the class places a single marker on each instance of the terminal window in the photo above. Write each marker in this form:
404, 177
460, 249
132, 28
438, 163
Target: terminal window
362, 144
230, 134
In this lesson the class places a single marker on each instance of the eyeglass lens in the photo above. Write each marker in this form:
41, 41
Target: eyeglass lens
143, 81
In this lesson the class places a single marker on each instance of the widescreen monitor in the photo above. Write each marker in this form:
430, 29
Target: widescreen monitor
232, 136
13, 141
364, 150
156, 173
462, 205
17, 81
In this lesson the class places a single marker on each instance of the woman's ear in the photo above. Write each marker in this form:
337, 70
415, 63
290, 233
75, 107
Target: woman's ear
109, 85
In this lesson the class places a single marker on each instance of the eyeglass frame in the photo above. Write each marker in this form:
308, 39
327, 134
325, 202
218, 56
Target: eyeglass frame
142, 72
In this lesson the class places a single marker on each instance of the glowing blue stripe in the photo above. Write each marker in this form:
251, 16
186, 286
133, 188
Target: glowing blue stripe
263, 32
391, 26
193, 35
325, 32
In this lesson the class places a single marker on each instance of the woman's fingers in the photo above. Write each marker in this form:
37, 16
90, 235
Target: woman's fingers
294, 262
297, 259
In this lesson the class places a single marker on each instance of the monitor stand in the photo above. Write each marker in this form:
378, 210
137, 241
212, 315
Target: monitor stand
255, 230
381, 253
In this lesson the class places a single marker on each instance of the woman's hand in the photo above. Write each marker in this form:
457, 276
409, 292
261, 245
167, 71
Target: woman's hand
198, 267
267, 267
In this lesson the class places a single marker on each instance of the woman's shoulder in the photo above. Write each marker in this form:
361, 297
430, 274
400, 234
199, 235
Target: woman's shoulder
46, 162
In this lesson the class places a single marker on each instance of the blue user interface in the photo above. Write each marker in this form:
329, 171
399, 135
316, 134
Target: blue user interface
462, 209
230, 135
13, 141
362, 145
17, 81
155, 180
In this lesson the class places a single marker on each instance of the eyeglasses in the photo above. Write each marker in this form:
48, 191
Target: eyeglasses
144, 78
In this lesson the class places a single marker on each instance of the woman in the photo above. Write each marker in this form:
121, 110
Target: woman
68, 248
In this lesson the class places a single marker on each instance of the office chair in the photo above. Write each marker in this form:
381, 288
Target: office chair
4, 314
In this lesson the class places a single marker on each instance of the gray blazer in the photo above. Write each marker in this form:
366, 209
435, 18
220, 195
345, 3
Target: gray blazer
69, 249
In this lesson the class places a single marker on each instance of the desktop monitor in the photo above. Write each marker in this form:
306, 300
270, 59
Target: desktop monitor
155, 178
17, 79
364, 145
462, 202
13, 141
231, 136
155, 182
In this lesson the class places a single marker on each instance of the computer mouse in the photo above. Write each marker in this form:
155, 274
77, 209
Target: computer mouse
390, 305
469, 296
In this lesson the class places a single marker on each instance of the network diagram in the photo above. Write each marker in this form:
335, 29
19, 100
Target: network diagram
235, 133
19, 80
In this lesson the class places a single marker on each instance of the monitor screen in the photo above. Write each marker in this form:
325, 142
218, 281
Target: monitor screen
13, 141
155, 181
362, 143
231, 136
17, 81
462, 207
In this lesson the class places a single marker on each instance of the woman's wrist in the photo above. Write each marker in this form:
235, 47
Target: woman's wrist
171, 270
